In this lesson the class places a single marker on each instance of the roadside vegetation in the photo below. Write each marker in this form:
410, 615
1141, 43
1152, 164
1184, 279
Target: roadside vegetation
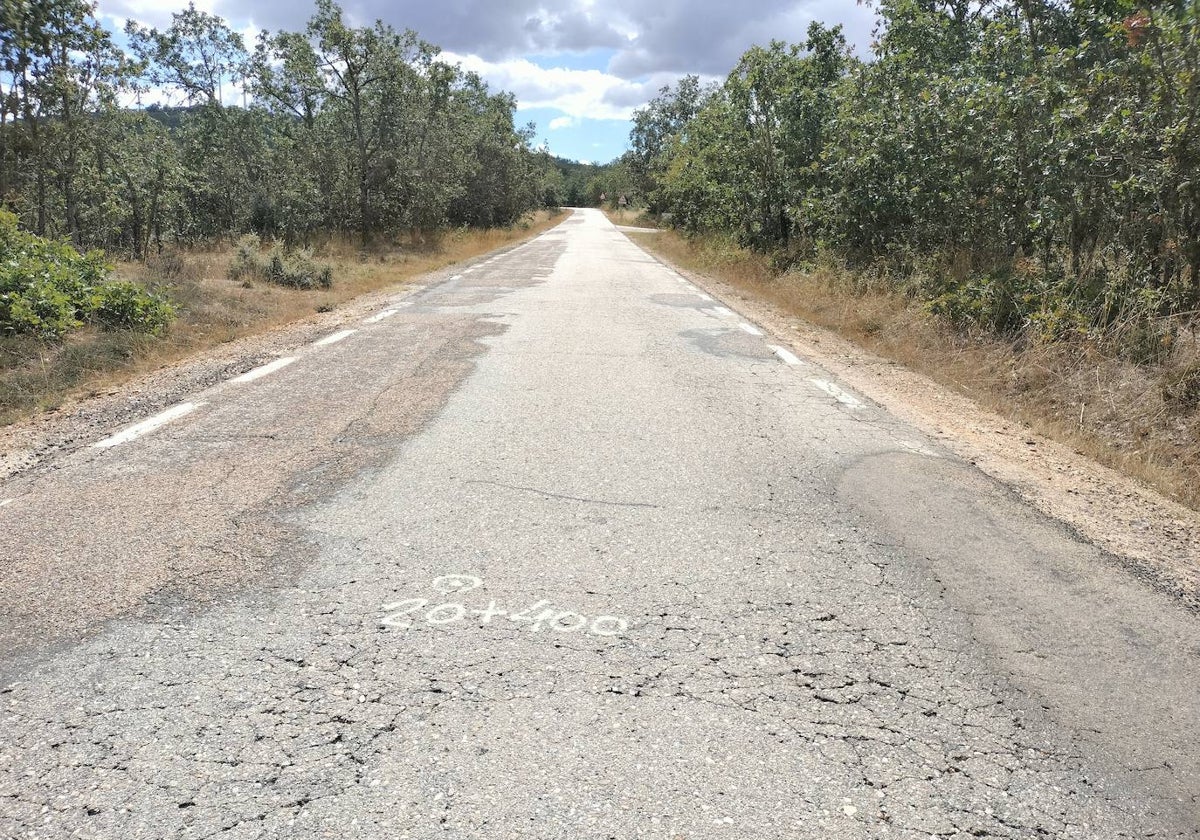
211, 308
269, 180
1006, 196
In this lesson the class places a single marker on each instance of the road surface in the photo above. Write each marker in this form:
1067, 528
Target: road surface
561, 547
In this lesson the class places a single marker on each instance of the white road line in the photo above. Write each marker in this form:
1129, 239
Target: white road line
379, 316
264, 370
334, 339
837, 393
746, 328
786, 355
147, 426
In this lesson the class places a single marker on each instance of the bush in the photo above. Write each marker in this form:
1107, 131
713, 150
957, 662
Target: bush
295, 269
48, 288
123, 306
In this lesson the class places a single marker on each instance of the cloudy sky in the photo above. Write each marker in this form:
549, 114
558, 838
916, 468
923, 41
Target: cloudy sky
577, 67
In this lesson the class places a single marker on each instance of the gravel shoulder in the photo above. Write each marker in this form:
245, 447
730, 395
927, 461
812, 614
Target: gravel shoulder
1156, 539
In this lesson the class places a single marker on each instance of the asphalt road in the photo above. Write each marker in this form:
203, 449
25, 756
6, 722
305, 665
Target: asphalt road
563, 548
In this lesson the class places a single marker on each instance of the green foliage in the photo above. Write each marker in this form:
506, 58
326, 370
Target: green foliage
340, 128
280, 265
1031, 167
48, 288
121, 305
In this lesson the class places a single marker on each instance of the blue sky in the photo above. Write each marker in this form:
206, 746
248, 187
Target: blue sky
577, 67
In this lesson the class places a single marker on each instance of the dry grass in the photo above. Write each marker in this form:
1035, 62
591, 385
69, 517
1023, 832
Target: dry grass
631, 218
37, 376
1143, 420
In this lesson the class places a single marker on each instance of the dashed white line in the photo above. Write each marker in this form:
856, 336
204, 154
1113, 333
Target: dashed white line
837, 393
379, 316
746, 328
147, 426
264, 370
334, 339
786, 355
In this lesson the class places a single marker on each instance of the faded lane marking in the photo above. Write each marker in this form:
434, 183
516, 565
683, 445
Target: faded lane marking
334, 339
786, 355
376, 318
918, 449
746, 328
264, 370
147, 426
837, 393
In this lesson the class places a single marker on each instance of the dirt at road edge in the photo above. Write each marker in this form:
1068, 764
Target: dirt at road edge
1156, 539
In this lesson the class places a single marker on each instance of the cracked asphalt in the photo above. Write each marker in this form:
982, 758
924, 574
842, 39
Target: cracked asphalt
560, 550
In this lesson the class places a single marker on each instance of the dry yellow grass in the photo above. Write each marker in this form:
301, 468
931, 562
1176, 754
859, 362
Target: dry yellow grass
1119, 413
213, 309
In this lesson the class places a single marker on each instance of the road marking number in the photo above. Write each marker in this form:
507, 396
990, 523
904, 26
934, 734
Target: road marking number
539, 616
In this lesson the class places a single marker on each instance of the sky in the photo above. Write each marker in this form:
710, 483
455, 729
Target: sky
578, 68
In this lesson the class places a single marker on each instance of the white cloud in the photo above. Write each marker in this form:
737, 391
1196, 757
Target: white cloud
591, 94
562, 122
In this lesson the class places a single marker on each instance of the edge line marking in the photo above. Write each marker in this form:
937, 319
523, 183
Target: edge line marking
786, 355
837, 393
264, 370
334, 338
147, 426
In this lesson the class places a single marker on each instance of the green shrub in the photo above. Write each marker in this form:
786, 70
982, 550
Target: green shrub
48, 288
279, 265
124, 306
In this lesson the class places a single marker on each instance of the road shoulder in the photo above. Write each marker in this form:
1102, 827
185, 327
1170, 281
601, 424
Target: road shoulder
1154, 538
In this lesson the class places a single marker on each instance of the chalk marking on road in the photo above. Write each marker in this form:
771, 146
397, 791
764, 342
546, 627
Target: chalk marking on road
379, 316
787, 356
837, 393
264, 370
754, 331
147, 426
457, 583
542, 614
334, 339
